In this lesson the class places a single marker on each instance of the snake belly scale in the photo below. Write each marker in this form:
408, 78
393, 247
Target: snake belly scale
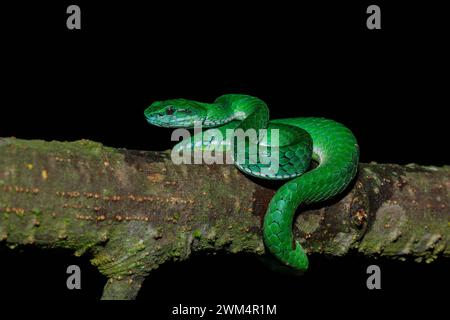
301, 140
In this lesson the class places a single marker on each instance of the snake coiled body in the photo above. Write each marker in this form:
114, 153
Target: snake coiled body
329, 143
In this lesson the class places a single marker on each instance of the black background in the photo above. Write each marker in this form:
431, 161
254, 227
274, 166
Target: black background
304, 59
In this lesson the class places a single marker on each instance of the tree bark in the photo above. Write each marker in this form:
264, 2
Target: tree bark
134, 210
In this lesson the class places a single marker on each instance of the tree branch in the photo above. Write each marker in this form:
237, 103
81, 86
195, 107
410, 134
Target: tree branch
134, 210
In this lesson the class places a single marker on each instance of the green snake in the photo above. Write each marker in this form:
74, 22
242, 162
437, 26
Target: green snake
301, 141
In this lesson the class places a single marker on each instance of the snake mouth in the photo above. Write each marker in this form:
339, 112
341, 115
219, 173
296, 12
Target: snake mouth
155, 123
158, 122
171, 122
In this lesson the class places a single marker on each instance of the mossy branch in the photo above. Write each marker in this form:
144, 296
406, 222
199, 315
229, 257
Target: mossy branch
134, 210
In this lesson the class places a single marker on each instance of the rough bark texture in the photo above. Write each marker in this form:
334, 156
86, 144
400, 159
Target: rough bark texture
134, 210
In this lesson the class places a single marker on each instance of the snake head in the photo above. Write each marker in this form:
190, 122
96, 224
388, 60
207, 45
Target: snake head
175, 113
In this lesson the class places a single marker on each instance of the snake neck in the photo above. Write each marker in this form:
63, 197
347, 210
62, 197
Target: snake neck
251, 111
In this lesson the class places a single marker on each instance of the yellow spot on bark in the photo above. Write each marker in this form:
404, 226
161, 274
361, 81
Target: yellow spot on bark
29, 239
155, 177
29, 166
44, 174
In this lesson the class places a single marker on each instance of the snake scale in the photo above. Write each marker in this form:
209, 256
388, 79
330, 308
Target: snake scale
301, 140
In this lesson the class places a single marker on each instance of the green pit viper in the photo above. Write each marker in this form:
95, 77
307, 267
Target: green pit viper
330, 144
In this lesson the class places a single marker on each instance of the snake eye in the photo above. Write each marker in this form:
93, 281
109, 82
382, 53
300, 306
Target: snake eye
170, 110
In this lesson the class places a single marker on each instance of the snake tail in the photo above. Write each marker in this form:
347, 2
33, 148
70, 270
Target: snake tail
336, 151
